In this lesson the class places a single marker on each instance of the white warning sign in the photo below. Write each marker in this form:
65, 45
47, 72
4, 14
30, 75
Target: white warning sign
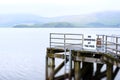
89, 42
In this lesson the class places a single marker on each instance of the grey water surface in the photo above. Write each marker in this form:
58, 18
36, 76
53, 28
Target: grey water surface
23, 50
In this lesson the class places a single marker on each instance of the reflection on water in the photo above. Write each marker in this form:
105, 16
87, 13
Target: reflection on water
22, 51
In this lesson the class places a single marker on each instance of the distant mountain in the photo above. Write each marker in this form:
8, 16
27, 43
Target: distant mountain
101, 19
106, 19
48, 25
15, 19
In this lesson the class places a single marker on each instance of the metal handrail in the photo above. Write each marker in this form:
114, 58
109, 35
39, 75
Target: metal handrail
64, 38
105, 41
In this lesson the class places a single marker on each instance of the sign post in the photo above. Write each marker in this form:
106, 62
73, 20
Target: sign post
89, 42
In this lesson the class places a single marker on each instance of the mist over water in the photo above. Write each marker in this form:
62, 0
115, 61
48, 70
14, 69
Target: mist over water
22, 51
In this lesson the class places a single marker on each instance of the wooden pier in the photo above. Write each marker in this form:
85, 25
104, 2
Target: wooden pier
79, 62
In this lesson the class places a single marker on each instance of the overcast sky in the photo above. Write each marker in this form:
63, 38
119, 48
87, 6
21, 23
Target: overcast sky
52, 8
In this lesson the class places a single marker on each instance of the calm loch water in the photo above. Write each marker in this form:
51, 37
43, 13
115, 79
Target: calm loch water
22, 51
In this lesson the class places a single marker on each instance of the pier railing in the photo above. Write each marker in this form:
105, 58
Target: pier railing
104, 43
60, 40
112, 44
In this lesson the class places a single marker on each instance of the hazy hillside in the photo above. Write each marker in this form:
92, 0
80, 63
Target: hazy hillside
101, 19
106, 19
15, 19
47, 25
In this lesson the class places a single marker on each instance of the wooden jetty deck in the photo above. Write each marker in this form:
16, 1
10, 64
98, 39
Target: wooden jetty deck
79, 61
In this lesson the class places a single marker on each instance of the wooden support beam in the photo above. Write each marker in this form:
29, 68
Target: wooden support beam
100, 75
46, 68
55, 50
115, 72
62, 77
61, 56
51, 66
109, 71
88, 59
77, 74
59, 67
87, 71
98, 68
98, 71
108, 58
77, 67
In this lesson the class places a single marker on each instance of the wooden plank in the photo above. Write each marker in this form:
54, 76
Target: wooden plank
77, 72
88, 59
56, 56
109, 72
